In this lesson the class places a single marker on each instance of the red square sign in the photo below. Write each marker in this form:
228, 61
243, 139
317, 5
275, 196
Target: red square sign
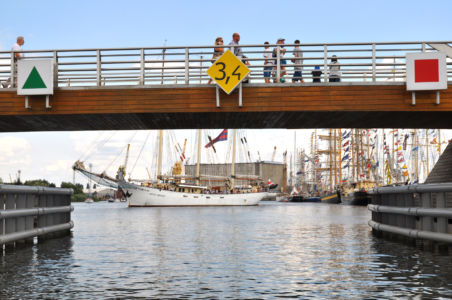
426, 70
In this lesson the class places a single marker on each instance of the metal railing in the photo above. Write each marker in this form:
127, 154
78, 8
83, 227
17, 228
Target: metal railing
359, 62
28, 212
420, 211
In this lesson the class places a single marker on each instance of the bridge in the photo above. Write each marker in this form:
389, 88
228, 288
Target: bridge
167, 88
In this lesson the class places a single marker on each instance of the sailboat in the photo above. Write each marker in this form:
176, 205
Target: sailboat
170, 191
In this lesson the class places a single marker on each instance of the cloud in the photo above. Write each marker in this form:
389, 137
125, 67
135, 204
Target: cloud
14, 155
59, 165
14, 150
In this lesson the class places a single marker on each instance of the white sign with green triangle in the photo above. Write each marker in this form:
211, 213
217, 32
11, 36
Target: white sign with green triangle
35, 77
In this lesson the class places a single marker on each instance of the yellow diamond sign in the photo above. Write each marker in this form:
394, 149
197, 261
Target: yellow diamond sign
228, 71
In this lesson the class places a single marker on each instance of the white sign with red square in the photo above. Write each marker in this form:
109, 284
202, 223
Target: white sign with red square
426, 71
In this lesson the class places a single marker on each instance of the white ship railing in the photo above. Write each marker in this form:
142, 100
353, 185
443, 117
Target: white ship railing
382, 62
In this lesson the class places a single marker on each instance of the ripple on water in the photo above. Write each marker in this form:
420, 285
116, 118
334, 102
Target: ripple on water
270, 251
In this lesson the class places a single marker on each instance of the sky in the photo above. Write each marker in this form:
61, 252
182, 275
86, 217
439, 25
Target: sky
102, 24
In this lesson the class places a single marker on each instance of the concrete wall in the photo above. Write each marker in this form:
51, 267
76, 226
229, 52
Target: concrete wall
442, 171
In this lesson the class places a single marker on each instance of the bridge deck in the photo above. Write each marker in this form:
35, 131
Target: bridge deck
275, 106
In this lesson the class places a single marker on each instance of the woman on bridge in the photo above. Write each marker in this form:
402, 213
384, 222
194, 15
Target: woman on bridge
217, 52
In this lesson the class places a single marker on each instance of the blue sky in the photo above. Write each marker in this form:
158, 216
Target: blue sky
90, 24
87, 24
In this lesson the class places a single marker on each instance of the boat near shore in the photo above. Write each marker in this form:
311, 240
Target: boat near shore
185, 195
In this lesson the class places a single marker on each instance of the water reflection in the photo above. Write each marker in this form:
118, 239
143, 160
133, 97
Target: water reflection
306, 250
37, 271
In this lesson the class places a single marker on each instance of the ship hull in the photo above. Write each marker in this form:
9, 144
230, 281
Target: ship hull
139, 196
303, 199
331, 198
356, 198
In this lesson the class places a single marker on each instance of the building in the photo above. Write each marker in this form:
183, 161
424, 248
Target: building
265, 170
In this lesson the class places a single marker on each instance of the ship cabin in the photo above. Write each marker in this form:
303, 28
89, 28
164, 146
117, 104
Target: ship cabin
360, 186
194, 189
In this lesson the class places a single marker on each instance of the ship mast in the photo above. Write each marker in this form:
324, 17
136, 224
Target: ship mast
330, 154
416, 156
339, 157
439, 140
233, 158
159, 164
427, 161
198, 160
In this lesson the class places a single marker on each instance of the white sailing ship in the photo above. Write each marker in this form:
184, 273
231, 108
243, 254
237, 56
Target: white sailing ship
169, 191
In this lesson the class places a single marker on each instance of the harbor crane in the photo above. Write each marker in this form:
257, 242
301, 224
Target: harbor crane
122, 169
274, 154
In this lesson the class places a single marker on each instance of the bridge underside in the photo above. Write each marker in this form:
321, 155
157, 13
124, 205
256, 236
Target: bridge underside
277, 106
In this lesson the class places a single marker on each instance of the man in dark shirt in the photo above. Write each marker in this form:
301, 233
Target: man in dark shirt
316, 74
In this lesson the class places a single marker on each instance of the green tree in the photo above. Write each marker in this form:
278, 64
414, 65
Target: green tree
39, 182
78, 188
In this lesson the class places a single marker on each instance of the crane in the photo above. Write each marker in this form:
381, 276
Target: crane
177, 168
274, 154
121, 174
126, 159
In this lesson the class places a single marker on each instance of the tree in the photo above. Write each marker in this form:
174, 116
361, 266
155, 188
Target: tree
39, 182
78, 188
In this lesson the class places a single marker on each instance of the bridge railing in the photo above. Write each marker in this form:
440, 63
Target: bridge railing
359, 62
27, 212
420, 211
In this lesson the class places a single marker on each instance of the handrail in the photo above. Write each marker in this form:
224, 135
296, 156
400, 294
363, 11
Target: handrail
360, 62
14, 189
413, 188
27, 212
419, 211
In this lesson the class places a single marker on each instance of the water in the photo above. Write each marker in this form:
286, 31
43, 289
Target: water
299, 250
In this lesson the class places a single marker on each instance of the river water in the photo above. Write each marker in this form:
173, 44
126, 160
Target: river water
274, 250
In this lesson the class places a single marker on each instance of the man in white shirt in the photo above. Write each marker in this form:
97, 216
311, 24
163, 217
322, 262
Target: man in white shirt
235, 43
298, 61
17, 47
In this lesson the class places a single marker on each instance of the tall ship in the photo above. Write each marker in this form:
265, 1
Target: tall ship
328, 168
171, 190
360, 168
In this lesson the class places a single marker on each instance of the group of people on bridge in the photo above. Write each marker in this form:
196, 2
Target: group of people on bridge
270, 61
270, 64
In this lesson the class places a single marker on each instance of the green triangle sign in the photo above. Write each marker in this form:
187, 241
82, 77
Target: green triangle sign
34, 81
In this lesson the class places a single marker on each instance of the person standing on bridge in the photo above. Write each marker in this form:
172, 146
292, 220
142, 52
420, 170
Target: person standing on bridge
283, 62
235, 43
238, 52
316, 74
298, 61
268, 63
217, 52
17, 49
335, 70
